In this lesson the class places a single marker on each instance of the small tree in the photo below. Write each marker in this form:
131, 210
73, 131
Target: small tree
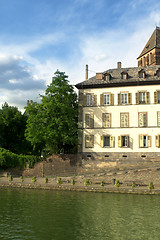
52, 124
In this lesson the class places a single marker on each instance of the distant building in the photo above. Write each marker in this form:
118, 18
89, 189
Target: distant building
119, 109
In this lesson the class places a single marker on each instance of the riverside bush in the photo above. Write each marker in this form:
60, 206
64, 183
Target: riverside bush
22, 179
102, 183
133, 185
34, 179
10, 178
12, 160
46, 179
59, 181
117, 183
151, 186
87, 182
73, 182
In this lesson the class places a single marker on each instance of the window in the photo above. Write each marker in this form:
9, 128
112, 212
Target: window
107, 141
142, 119
89, 120
158, 119
157, 139
106, 120
157, 96
141, 74
123, 141
142, 97
89, 100
124, 98
124, 119
124, 75
144, 141
107, 77
89, 141
106, 99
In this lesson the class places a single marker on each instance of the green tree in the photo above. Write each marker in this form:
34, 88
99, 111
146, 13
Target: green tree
52, 124
12, 129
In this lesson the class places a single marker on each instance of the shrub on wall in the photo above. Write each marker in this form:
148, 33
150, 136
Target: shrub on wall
12, 160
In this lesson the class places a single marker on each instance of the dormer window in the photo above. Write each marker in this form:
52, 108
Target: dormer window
107, 77
142, 74
124, 75
158, 73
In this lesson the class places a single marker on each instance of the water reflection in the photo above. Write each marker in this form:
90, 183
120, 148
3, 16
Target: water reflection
34, 214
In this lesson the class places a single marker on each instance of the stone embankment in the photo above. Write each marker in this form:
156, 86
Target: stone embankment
142, 178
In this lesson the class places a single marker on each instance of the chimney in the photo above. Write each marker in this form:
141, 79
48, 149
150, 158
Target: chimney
86, 72
119, 64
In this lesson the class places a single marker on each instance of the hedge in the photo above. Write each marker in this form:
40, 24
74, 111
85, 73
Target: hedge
12, 160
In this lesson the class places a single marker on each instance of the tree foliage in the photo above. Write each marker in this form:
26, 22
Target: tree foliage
52, 124
12, 129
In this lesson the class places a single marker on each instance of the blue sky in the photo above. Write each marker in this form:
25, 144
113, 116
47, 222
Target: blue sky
37, 37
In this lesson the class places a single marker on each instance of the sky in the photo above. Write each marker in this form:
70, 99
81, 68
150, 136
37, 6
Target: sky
37, 37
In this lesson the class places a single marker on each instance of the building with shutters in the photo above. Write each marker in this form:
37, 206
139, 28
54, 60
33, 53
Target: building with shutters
119, 109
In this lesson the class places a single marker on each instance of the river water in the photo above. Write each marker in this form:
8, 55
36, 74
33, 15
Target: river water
60, 215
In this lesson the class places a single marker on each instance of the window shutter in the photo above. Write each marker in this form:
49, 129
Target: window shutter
127, 141
87, 120
86, 141
140, 120
112, 142
155, 97
112, 99
126, 120
119, 98
91, 120
158, 119
156, 141
137, 98
145, 119
95, 100
103, 120
80, 97
79, 136
140, 141
106, 120
148, 97
148, 141
101, 100
122, 120
85, 100
92, 141
129, 98
119, 141
79, 114
131, 142
101, 141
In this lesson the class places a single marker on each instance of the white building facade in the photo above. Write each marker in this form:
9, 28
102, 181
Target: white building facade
119, 113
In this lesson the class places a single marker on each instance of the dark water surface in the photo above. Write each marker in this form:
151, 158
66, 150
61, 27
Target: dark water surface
58, 215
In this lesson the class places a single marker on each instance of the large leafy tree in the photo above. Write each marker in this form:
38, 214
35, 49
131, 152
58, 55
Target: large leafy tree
12, 129
52, 124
